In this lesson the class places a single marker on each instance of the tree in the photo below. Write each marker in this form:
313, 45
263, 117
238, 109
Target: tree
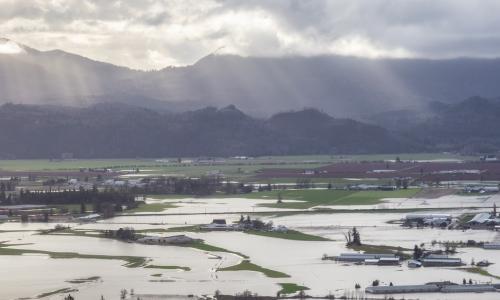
83, 209
123, 294
280, 199
417, 252
356, 237
353, 237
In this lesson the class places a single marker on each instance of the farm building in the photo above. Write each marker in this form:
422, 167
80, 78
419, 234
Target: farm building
428, 219
358, 257
401, 289
432, 288
492, 246
414, 263
441, 261
422, 217
388, 261
471, 288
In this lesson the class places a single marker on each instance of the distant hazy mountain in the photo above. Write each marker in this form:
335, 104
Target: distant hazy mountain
340, 86
117, 130
472, 125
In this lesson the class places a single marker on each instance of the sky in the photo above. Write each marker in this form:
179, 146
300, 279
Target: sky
148, 34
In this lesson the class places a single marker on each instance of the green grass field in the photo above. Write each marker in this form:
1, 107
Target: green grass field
167, 267
246, 265
290, 235
230, 167
210, 248
59, 291
480, 271
130, 261
290, 288
383, 249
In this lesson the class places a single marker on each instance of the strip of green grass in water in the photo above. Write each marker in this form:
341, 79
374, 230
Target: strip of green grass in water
68, 231
382, 249
246, 265
84, 280
210, 248
59, 291
289, 235
168, 267
130, 261
290, 288
196, 245
478, 270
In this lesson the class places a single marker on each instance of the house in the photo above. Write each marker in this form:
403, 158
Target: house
414, 264
480, 219
219, 225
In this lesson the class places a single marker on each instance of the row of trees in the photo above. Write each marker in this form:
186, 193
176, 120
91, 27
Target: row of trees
205, 185
76, 197
127, 233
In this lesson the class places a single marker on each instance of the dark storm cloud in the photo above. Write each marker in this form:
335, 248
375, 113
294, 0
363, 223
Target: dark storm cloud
152, 34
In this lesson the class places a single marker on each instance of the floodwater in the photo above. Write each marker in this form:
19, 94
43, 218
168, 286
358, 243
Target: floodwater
35, 274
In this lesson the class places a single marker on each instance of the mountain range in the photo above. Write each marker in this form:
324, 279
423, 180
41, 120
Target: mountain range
261, 86
57, 102
116, 130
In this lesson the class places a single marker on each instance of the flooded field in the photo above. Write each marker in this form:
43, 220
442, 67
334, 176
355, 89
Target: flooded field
37, 272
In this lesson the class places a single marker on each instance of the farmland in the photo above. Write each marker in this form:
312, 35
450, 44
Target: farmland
312, 198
